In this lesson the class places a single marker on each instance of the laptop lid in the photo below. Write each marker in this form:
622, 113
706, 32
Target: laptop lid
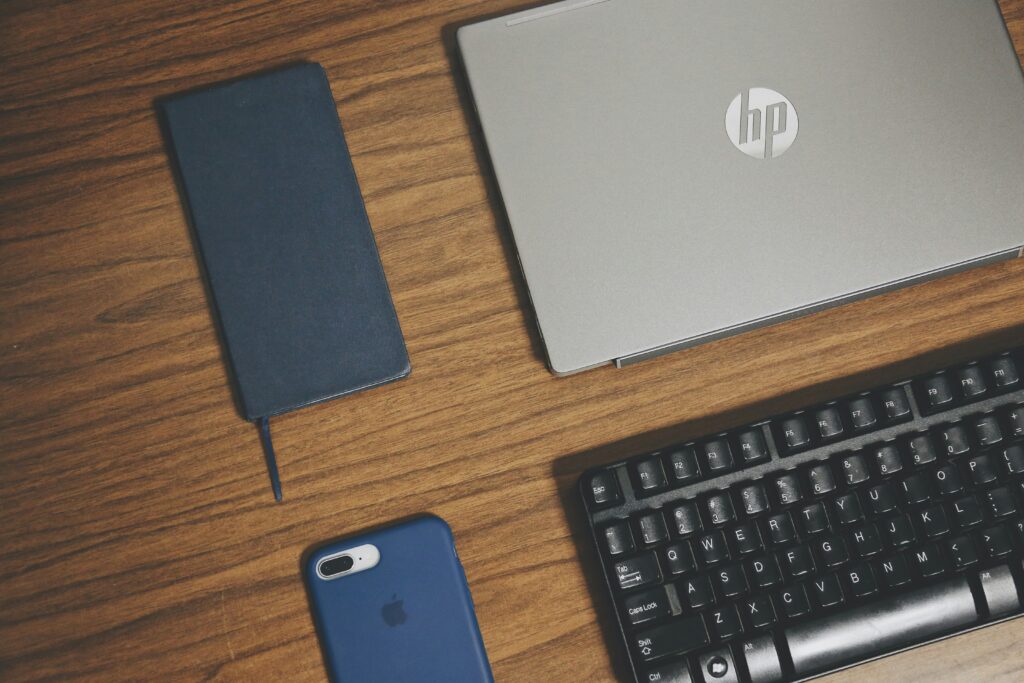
676, 171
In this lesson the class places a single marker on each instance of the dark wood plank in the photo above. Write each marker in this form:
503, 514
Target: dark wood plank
138, 537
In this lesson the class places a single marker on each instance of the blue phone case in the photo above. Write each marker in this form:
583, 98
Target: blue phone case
409, 619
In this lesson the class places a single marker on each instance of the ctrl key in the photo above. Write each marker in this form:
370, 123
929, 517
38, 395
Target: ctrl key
678, 637
668, 673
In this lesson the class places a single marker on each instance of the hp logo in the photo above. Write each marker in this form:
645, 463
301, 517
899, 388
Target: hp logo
762, 123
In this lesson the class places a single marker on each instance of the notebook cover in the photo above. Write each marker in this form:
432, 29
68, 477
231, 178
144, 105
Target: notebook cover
295, 277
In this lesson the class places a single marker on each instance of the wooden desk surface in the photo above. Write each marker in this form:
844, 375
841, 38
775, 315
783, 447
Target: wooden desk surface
138, 535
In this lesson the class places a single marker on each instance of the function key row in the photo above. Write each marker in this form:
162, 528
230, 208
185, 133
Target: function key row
693, 462
973, 382
682, 465
841, 420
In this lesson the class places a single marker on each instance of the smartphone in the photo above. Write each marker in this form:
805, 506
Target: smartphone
393, 606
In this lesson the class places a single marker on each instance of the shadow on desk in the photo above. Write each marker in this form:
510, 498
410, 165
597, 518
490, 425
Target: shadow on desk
567, 470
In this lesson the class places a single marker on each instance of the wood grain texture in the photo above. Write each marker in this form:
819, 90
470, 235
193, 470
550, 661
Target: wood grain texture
138, 536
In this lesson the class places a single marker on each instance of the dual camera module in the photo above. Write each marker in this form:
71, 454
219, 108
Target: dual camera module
348, 561
335, 566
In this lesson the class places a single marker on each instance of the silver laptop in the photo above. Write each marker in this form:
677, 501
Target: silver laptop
675, 171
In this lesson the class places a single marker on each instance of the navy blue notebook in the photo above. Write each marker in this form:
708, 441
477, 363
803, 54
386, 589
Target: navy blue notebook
293, 269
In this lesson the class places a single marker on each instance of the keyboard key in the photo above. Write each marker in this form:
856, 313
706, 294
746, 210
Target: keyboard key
719, 508
647, 606
983, 469
650, 475
712, 548
862, 414
948, 481
954, 439
917, 488
894, 572
883, 498
829, 423
718, 666
820, 644
900, 531
888, 459
861, 580
677, 672
1005, 373
967, 512
604, 489
755, 499
1015, 420
848, 508
1014, 457
718, 455
753, 448
928, 561
683, 465
935, 393
732, 581
867, 541
799, 561
652, 528
962, 552
686, 519
1000, 502
855, 469
788, 489
747, 539
780, 529
619, 539
814, 518
794, 601
895, 404
679, 558
827, 591
697, 591
1000, 591
678, 637
794, 434
638, 571
765, 571
922, 449
762, 659
833, 551
933, 521
1017, 531
972, 382
821, 479
996, 542
987, 430
758, 611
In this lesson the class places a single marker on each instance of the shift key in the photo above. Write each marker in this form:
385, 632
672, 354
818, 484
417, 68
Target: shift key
677, 637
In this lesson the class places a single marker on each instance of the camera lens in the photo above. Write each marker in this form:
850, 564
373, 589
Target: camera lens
335, 566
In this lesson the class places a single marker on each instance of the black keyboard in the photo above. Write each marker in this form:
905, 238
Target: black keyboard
822, 538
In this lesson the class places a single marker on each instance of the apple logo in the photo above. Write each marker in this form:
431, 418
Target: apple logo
393, 612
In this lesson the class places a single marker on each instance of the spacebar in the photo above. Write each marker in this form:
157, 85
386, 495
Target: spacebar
890, 624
